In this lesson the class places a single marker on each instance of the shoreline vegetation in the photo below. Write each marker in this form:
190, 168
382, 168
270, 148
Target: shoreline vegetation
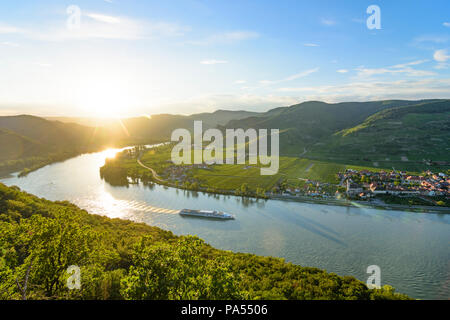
120, 259
28, 165
153, 165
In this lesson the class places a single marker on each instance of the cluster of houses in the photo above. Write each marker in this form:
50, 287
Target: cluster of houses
311, 188
366, 184
181, 174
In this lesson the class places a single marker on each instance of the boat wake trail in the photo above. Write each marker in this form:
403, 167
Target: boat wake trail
143, 206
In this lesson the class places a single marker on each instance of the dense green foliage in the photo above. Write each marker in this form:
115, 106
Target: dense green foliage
402, 137
28, 143
120, 259
376, 134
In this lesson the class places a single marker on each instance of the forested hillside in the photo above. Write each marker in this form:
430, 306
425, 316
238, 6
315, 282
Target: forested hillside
120, 259
305, 124
29, 142
410, 135
407, 137
377, 133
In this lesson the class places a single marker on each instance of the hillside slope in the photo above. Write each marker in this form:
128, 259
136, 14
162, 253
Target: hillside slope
15, 146
307, 123
31, 142
349, 132
402, 136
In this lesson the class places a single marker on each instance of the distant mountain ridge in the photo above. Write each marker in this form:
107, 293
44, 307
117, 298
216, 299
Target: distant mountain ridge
339, 131
30, 142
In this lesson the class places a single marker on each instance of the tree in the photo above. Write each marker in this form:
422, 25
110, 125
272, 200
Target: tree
194, 186
260, 192
179, 271
41, 249
244, 188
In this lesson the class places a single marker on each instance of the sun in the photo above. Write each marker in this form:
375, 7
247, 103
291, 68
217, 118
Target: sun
104, 99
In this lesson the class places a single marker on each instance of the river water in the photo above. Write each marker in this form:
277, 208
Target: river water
412, 249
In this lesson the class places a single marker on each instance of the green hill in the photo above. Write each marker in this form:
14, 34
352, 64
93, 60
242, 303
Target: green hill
307, 123
402, 137
161, 126
376, 133
15, 146
120, 259
29, 142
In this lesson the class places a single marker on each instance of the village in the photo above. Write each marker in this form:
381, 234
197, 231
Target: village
395, 186
365, 184
429, 188
356, 184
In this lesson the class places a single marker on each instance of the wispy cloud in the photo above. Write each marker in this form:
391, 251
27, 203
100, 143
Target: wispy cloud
441, 55
352, 91
311, 45
290, 78
342, 70
9, 44
405, 68
412, 63
250, 102
327, 22
44, 65
442, 66
446, 24
103, 18
213, 61
7, 29
430, 39
376, 90
101, 26
358, 20
226, 38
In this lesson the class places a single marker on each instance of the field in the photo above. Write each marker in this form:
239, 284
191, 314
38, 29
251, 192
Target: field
294, 171
395, 141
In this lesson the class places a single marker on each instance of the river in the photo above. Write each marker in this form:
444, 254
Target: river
412, 249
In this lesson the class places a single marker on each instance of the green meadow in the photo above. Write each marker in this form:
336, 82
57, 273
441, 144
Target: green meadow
293, 171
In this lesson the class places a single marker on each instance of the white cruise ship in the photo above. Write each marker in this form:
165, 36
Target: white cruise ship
206, 214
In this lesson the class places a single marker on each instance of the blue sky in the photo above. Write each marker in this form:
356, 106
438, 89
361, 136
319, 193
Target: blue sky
129, 57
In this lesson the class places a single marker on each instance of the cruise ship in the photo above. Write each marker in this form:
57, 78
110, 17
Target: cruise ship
206, 214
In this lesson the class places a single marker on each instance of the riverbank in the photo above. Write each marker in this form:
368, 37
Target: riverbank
94, 243
306, 199
342, 240
364, 204
28, 165
138, 165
